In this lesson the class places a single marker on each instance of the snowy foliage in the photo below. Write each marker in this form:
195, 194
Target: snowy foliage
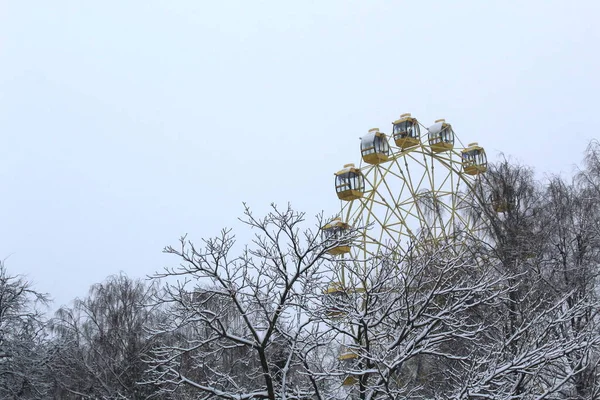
101, 341
23, 352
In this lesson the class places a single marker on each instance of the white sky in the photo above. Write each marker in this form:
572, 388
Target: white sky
126, 124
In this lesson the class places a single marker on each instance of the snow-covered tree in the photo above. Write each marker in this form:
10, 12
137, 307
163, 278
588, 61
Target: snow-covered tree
23, 354
540, 348
571, 268
242, 336
100, 342
411, 323
510, 312
470, 319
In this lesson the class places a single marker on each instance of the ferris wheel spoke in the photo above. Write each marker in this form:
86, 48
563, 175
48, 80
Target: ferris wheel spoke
381, 224
414, 192
381, 200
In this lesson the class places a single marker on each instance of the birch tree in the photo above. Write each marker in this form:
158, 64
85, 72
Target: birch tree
101, 342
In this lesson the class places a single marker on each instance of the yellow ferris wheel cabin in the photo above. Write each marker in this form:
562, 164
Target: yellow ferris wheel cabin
441, 136
406, 132
474, 160
336, 293
374, 147
347, 353
502, 202
334, 232
350, 380
349, 183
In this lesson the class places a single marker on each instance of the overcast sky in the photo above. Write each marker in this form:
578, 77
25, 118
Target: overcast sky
125, 124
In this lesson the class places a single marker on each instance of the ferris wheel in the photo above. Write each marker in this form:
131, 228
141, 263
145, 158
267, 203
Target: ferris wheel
411, 193
410, 190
